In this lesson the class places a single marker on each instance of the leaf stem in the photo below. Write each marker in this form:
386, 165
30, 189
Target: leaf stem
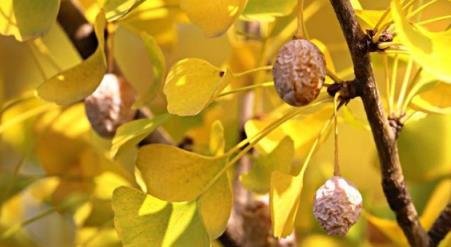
393, 83
381, 19
301, 31
440, 18
36, 61
421, 8
336, 160
414, 90
247, 88
251, 71
387, 82
405, 83
332, 75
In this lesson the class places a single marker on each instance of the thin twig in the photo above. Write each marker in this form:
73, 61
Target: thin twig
384, 136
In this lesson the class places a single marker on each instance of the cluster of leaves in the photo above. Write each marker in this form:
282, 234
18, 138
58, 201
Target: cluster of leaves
88, 188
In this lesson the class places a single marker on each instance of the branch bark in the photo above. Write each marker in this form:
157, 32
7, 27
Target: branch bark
384, 136
441, 227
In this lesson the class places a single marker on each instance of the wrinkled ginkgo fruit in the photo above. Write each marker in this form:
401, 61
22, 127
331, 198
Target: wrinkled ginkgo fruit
337, 206
110, 105
299, 72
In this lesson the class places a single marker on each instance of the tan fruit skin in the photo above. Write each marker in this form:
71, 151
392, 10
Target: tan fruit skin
299, 72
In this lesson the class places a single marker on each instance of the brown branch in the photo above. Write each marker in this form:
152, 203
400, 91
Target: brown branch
441, 226
384, 136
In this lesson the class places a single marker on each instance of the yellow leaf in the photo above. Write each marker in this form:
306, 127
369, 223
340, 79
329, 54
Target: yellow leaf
116, 9
266, 10
302, 130
27, 19
434, 100
143, 220
124, 145
280, 159
389, 228
285, 189
215, 206
214, 17
438, 201
76, 83
429, 49
176, 175
217, 142
191, 84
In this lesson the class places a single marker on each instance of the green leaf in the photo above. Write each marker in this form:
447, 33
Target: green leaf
27, 19
268, 9
436, 99
429, 49
280, 159
116, 9
191, 85
124, 145
214, 17
76, 83
175, 175
157, 59
143, 220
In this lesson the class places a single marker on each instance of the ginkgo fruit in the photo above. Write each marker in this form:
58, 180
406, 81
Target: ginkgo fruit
299, 72
110, 105
337, 206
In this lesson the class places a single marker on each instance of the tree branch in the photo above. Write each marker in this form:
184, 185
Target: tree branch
384, 136
441, 227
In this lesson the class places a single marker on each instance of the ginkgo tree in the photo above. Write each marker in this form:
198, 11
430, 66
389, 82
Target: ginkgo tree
225, 123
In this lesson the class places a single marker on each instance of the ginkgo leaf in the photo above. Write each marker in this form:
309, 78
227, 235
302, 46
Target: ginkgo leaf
301, 130
437, 201
280, 159
285, 189
191, 84
76, 83
215, 206
27, 19
217, 142
143, 220
429, 49
116, 9
124, 145
175, 175
387, 227
268, 9
214, 17
156, 57
13, 185
436, 99
369, 18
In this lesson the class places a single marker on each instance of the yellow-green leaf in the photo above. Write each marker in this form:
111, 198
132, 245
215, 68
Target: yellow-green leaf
176, 175
214, 17
436, 99
388, 227
124, 145
156, 57
27, 19
116, 9
191, 84
143, 220
268, 9
280, 159
215, 206
76, 83
429, 49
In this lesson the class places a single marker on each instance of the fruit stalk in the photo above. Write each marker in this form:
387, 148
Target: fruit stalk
393, 182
